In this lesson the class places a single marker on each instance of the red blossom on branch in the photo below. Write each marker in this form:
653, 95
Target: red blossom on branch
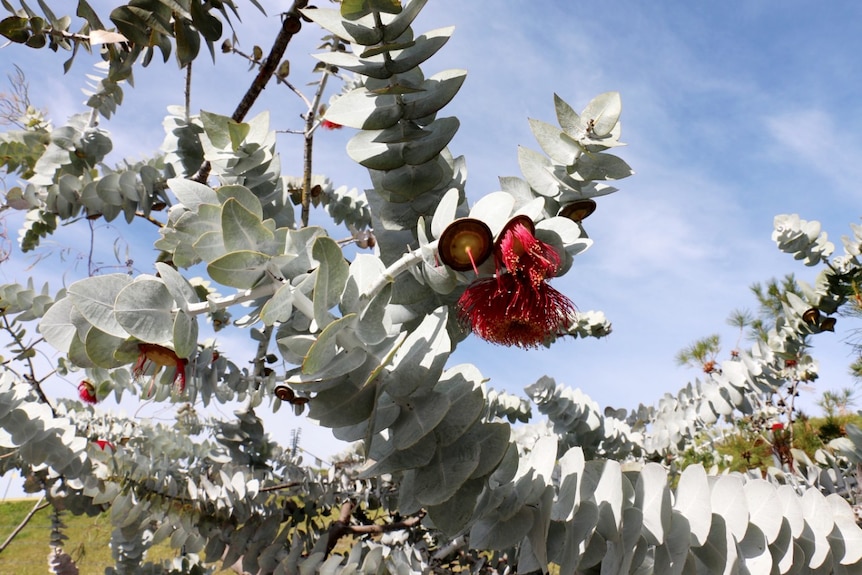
87, 392
517, 307
327, 125
509, 311
154, 357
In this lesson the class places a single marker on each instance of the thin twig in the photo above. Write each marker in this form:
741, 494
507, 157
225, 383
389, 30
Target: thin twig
150, 219
188, 90
90, 266
36, 508
31, 377
260, 356
279, 487
341, 527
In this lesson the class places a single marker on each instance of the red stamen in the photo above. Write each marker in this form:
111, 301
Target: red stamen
472, 261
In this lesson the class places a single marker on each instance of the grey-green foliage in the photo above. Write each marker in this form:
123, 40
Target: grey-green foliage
140, 28
577, 420
64, 185
369, 340
598, 516
32, 432
104, 95
348, 206
590, 324
402, 142
344, 206
851, 445
145, 473
801, 238
515, 505
502, 404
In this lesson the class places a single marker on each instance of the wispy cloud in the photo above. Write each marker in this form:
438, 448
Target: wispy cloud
821, 143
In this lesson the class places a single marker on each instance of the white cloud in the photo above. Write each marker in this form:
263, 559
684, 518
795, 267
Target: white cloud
819, 142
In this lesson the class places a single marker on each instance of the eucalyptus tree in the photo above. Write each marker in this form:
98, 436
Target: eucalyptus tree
359, 339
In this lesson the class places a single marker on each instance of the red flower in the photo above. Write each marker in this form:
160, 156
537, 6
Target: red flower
777, 427
521, 253
102, 443
159, 356
517, 306
327, 125
87, 392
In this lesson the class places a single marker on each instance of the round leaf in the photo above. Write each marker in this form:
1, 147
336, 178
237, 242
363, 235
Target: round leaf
144, 309
185, 336
242, 269
56, 325
94, 298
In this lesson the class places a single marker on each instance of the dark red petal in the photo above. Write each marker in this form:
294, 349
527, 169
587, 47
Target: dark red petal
140, 366
521, 252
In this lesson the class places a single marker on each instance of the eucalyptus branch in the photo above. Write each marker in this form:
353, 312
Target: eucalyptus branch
279, 487
146, 487
295, 90
150, 219
300, 300
90, 267
263, 290
447, 550
279, 79
290, 26
76, 38
341, 527
260, 356
188, 91
398, 267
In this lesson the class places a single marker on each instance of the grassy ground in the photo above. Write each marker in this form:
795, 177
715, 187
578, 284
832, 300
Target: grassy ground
87, 543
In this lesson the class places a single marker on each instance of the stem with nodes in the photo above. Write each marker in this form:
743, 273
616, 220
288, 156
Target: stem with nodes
342, 526
300, 300
290, 26
308, 148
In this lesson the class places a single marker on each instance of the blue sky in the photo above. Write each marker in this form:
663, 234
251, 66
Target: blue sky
733, 112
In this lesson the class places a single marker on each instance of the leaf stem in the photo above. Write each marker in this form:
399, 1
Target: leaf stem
398, 267
300, 301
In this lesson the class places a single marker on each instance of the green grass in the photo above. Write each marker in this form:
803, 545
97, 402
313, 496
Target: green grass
87, 542
88, 539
